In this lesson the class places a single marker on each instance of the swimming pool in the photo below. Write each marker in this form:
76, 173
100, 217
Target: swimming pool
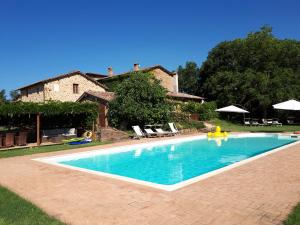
172, 163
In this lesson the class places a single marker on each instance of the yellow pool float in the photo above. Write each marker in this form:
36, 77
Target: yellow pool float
217, 134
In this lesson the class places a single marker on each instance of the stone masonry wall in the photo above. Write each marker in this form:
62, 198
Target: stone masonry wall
62, 90
167, 81
65, 88
35, 94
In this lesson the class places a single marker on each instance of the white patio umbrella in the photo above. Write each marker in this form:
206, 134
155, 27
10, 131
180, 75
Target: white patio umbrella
288, 105
232, 109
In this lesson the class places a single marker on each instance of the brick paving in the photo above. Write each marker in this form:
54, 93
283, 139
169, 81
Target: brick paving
260, 192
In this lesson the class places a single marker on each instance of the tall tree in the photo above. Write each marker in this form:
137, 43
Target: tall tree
255, 71
188, 78
2, 96
14, 95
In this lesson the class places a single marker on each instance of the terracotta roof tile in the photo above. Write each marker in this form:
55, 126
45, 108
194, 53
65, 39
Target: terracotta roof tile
106, 96
61, 76
146, 69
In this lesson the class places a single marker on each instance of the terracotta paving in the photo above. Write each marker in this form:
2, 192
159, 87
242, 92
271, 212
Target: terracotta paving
261, 192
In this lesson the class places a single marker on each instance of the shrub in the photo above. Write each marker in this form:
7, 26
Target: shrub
178, 116
54, 114
191, 107
140, 99
207, 111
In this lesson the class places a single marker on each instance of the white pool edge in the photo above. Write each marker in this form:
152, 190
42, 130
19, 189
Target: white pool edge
51, 160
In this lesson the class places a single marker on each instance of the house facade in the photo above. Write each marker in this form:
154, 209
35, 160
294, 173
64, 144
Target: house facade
65, 87
79, 86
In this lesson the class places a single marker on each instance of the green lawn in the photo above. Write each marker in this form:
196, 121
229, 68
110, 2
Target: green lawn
15, 210
294, 217
50, 148
229, 126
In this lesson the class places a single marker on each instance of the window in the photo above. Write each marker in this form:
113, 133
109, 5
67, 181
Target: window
26, 92
38, 90
75, 88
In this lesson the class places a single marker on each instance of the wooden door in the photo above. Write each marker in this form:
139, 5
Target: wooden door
103, 115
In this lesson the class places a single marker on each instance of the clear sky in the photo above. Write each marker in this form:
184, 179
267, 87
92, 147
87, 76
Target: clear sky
43, 38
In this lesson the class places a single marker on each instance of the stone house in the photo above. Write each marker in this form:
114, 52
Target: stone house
79, 86
65, 87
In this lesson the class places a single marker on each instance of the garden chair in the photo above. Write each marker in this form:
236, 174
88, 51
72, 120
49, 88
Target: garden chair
138, 132
173, 128
1, 140
276, 123
151, 133
163, 132
270, 122
9, 139
265, 122
256, 123
247, 122
21, 139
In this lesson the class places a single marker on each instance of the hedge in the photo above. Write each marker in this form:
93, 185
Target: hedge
49, 108
54, 113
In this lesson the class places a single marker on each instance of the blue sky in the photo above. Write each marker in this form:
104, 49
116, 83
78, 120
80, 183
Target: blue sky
43, 38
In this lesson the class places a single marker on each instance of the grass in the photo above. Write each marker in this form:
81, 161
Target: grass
43, 149
190, 124
294, 217
229, 126
15, 210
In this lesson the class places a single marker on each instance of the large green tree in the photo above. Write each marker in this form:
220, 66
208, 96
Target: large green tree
255, 71
140, 100
188, 78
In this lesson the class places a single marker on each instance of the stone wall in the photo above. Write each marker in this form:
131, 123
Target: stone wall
61, 90
167, 81
33, 94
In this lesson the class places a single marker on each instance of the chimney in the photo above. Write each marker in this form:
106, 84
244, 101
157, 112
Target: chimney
136, 67
110, 71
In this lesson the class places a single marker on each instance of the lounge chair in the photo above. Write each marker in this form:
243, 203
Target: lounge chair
163, 132
265, 122
247, 122
138, 132
276, 122
173, 128
255, 122
151, 133
270, 122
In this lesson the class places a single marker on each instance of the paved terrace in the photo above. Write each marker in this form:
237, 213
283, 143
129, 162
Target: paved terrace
259, 192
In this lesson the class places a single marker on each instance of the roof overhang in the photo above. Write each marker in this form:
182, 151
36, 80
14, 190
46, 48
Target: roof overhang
58, 77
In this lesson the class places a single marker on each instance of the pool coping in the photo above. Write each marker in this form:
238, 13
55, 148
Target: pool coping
113, 150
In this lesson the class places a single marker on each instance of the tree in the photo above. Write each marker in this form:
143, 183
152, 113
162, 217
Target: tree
140, 100
188, 78
14, 95
2, 96
256, 71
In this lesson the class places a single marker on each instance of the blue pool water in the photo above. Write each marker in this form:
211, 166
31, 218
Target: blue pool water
172, 163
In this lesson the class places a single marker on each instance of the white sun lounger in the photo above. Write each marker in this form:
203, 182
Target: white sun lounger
276, 123
151, 133
138, 132
247, 123
173, 128
163, 132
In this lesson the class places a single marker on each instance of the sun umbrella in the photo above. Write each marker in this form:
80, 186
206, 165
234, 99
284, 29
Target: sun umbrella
232, 109
288, 105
